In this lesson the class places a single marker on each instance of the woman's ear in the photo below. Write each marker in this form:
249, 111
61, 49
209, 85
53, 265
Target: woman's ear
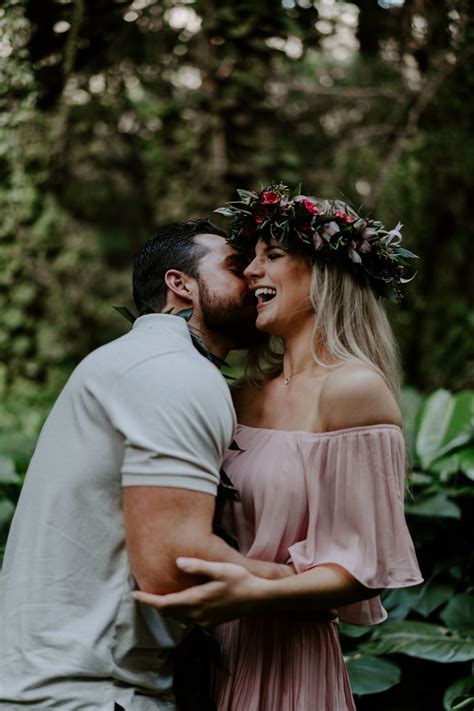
179, 284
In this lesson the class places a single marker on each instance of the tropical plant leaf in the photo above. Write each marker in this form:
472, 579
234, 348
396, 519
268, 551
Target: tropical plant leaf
433, 595
459, 687
420, 639
463, 703
400, 601
370, 675
411, 402
435, 506
421, 479
466, 462
462, 418
7, 509
435, 416
8, 473
353, 631
459, 613
126, 313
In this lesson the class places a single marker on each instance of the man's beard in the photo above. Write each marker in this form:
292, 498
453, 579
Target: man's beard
230, 317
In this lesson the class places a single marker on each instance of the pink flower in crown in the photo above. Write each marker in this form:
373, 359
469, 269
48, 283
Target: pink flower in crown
310, 207
347, 219
269, 198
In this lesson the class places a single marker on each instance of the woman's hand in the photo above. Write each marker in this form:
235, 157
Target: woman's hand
232, 592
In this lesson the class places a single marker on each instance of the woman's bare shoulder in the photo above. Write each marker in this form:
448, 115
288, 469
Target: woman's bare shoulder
355, 394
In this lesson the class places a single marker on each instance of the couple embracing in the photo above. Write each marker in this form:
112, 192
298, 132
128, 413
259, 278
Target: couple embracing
112, 559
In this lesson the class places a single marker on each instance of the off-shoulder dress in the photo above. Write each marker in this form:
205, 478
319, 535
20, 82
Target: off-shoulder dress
312, 498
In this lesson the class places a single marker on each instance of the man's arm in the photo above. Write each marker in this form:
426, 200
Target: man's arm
164, 523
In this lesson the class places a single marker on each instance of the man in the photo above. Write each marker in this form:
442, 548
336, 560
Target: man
123, 482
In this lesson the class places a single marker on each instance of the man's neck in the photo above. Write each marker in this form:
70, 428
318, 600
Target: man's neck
215, 343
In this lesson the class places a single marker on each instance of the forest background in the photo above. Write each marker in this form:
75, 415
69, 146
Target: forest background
116, 116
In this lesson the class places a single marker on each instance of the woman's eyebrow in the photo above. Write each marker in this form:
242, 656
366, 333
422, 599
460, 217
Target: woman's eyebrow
268, 247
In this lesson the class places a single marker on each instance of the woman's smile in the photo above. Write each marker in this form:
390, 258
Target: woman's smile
264, 295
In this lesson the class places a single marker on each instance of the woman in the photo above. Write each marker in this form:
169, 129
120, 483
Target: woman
321, 461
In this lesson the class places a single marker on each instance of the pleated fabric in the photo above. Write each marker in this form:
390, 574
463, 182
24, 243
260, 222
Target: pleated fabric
310, 499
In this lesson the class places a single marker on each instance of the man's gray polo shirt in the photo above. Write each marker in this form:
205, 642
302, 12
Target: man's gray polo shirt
146, 409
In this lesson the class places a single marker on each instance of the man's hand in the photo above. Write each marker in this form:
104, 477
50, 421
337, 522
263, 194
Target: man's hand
231, 592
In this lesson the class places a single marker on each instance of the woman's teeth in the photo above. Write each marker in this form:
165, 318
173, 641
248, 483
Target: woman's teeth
265, 294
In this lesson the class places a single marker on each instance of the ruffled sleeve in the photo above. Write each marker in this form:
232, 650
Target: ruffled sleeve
355, 482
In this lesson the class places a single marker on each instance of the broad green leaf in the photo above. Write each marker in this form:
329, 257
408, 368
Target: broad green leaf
370, 675
420, 639
463, 703
460, 686
433, 595
8, 473
435, 416
462, 418
466, 462
420, 479
7, 510
399, 602
459, 613
446, 466
353, 631
411, 402
436, 506
460, 429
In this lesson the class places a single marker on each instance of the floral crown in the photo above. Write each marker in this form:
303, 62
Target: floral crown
329, 231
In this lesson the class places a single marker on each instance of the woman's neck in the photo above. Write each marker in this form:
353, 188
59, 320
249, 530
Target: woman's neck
299, 349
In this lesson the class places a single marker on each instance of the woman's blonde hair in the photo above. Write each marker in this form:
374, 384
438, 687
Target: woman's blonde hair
350, 322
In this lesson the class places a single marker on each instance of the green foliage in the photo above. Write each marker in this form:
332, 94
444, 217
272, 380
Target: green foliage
371, 675
432, 622
103, 138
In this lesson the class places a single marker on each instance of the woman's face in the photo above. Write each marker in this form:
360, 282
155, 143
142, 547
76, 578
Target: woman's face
281, 283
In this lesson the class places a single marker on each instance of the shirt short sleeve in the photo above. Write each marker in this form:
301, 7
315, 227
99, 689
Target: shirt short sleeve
176, 416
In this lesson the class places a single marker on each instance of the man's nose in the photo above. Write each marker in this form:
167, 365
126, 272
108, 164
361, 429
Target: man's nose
253, 270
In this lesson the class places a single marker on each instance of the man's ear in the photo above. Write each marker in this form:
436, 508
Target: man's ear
179, 284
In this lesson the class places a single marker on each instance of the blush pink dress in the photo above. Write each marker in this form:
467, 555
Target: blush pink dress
311, 499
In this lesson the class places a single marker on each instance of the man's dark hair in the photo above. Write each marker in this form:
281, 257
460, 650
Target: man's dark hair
173, 247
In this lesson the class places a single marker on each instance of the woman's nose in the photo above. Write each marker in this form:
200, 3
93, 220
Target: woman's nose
253, 270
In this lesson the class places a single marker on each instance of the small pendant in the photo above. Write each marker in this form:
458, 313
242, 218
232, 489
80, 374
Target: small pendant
287, 381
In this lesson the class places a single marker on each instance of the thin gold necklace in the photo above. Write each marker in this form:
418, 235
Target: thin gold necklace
288, 378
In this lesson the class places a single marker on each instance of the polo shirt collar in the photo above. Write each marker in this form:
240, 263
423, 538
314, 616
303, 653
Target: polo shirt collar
156, 322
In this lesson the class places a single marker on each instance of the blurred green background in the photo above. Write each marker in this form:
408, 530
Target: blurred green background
116, 116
